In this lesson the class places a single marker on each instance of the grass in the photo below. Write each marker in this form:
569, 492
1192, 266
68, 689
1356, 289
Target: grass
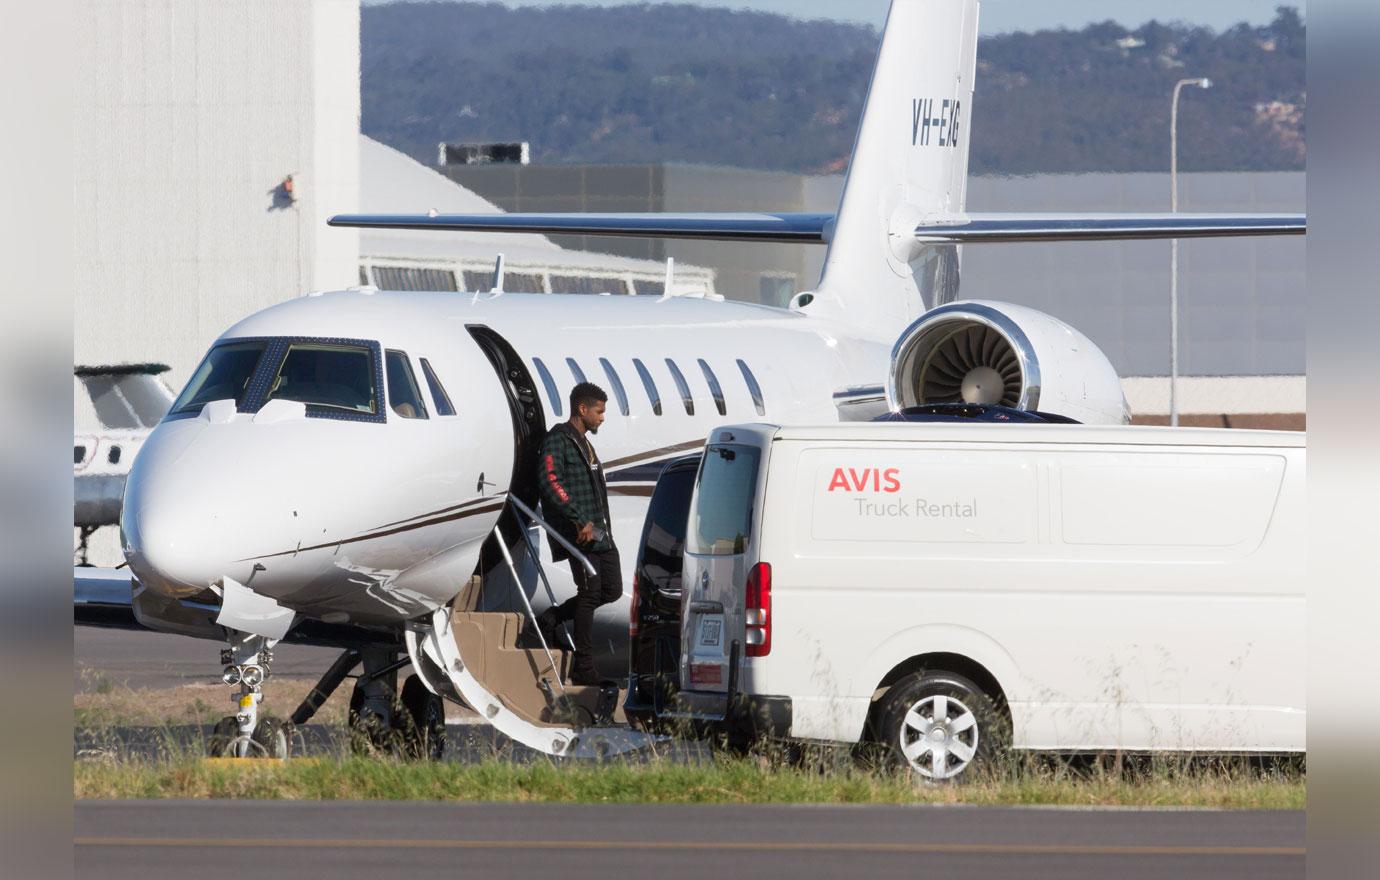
102, 704
722, 780
112, 770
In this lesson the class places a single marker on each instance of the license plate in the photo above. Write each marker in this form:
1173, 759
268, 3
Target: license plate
711, 632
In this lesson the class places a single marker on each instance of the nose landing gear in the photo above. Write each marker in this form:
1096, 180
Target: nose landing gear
247, 664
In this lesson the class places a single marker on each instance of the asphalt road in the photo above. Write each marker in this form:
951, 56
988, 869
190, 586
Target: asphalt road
126, 658
235, 839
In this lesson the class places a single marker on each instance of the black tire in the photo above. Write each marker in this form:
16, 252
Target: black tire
421, 723
274, 737
369, 733
222, 735
968, 741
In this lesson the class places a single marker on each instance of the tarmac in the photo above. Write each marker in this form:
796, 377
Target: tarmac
234, 839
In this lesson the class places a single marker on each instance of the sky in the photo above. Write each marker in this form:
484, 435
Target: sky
1000, 16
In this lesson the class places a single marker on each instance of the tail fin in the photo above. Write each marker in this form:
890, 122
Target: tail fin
910, 163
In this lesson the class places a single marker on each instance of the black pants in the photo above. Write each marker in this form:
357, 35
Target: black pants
591, 591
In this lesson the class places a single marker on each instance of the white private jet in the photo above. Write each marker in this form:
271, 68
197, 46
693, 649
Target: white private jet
355, 468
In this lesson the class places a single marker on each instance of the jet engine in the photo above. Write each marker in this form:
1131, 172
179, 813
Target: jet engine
1008, 355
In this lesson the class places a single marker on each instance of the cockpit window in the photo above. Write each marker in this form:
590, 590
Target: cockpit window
223, 375
404, 397
336, 377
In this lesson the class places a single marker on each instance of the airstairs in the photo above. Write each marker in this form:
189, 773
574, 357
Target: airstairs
485, 661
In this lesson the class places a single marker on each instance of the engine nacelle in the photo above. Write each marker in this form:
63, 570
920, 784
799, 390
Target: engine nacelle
997, 353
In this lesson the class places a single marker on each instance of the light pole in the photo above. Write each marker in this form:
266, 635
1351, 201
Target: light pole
1202, 83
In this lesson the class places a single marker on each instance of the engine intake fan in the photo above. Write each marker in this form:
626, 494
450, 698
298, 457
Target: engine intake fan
1005, 355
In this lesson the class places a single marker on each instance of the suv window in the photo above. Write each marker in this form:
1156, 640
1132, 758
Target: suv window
663, 537
724, 506
404, 398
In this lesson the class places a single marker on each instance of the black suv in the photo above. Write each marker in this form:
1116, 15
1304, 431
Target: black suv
654, 614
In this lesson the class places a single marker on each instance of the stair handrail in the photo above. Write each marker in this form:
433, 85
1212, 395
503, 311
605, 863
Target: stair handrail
551, 530
531, 615
541, 570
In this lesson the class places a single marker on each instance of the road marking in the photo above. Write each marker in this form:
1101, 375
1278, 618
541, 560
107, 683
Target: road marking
656, 845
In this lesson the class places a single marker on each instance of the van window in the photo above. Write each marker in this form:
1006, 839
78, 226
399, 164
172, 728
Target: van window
223, 375
617, 383
551, 393
404, 398
575, 371
715, 391
727, 490
438, 392
684, 387
753, 388
664, 536
653, 395
333, 377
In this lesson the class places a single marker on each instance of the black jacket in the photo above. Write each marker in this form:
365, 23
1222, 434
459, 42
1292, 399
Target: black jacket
572, 492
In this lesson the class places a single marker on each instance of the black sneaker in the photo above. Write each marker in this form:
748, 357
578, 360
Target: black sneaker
583, 673
547, 625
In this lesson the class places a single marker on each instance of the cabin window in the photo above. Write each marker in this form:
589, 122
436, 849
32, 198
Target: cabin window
753, 388
683, 386
653, 395
715, 391
438, 392
78, 454
404, 397
617, 384
551, 393
114, 455
575, 371
224, 374
327, 377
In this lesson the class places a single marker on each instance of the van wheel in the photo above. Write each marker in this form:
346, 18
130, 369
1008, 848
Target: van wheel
941, 726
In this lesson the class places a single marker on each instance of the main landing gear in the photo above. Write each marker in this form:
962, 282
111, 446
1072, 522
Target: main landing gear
409, 722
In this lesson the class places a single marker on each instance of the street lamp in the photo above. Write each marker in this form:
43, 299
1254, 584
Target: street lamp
1202, 83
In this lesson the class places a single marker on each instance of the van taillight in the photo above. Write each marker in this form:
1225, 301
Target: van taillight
632, 607
758, 616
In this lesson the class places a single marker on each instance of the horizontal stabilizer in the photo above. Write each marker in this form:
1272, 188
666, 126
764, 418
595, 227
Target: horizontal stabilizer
798, 228
983, 228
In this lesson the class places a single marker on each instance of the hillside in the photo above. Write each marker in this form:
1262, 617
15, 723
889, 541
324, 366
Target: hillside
689, 84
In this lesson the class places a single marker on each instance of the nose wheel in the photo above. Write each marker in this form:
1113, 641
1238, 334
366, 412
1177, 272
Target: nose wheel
247, 665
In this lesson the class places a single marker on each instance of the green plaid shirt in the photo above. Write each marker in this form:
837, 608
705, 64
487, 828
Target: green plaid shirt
572, 491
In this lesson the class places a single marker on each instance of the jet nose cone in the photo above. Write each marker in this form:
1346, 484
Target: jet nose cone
162, 550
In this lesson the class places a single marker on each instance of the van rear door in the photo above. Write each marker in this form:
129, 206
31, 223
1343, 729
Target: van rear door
720, 551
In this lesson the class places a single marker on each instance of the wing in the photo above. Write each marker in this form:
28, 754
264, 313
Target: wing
982, 228
103, 597
798, 228
818, 228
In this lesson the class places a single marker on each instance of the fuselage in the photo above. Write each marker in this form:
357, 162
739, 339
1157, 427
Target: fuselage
370, 517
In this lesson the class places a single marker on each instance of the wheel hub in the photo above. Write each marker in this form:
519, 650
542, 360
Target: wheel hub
939, 737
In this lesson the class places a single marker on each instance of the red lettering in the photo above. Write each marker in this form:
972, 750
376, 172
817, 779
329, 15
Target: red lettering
893, 480
838, 481
859, 484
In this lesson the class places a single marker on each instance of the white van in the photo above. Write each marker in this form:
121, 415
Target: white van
952, 589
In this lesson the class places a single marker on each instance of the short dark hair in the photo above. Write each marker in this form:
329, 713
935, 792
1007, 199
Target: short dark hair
586, 393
